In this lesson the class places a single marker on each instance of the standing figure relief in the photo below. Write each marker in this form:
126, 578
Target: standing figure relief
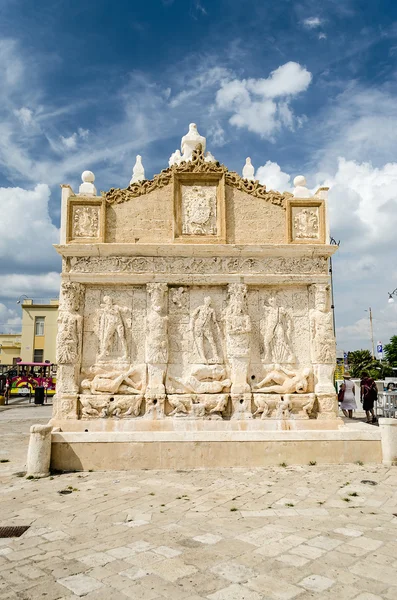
110, 323
204, 327
321, 328
276, 328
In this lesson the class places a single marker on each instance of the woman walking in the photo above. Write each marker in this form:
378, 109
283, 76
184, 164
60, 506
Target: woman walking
348, 403
369, 394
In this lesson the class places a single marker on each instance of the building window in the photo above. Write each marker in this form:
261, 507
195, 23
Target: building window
38, 355
39, 325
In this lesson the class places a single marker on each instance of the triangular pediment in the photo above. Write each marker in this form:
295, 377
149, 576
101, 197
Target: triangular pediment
200, 165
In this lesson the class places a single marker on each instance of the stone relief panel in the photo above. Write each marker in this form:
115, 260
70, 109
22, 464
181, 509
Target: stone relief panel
280, 380
306, 220
198, 265
199, 206
114, 327
276, 328
288, 406
198, 351
102, 407
112, 324
85, 221
306, 223
206, 334
129, 381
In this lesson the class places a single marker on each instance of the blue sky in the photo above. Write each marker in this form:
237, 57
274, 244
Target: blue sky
301, 87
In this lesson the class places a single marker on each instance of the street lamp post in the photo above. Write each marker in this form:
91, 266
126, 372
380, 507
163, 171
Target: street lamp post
22, 296
372, 331
333, 242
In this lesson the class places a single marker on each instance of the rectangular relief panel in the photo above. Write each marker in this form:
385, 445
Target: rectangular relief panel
86, 220
199, 208
306, 221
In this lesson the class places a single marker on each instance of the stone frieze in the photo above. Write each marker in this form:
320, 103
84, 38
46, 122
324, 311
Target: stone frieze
198, 265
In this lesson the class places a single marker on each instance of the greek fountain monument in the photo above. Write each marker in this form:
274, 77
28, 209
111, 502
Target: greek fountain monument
195, 326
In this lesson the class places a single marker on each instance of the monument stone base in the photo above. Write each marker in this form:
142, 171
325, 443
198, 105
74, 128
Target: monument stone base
211, 448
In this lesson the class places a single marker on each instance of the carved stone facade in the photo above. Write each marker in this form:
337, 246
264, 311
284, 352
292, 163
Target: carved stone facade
187, 325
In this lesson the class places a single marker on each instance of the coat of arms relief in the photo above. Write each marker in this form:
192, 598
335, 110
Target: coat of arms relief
199, 210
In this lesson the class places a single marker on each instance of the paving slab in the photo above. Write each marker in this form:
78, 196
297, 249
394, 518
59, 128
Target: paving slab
225, 534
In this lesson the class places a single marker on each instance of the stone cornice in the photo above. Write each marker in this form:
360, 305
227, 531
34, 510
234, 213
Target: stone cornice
209, 250
198, 164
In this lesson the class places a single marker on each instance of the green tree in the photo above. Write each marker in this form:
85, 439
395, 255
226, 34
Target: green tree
391, 351
361, 360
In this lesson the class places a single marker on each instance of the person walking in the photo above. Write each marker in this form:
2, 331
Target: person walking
369, 393
348, 403
7, 390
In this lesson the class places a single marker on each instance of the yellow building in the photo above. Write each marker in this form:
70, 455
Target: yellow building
39, 330
10, 348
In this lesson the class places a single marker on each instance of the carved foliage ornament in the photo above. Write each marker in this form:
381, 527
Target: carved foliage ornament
197, 265
196, 165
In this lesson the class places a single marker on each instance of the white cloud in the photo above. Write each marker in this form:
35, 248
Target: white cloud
25, 116
42, 285
216, 135
362, 208
273, 177
71, 142
10, 322
313, 22
27, 232
263, 105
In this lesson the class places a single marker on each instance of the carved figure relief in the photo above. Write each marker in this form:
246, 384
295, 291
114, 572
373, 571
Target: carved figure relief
110, 324
105, 407
209, 379
70, 324
276, 328
113, 382
321, 327
198, 406
199, 210
306, 224
85, 222
284, 381
205, 328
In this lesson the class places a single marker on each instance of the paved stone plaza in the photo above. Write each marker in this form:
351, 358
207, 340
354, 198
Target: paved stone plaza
232, 534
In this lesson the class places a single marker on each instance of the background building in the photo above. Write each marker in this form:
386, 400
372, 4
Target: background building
39, 330
10, 348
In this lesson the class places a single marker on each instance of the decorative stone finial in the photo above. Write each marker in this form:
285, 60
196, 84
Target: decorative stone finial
138, 172
87, 188
248, 170
190, 141
300, 190
175, 158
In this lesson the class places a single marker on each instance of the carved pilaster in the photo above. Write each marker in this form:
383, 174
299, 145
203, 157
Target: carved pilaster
69, 338
156, 347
